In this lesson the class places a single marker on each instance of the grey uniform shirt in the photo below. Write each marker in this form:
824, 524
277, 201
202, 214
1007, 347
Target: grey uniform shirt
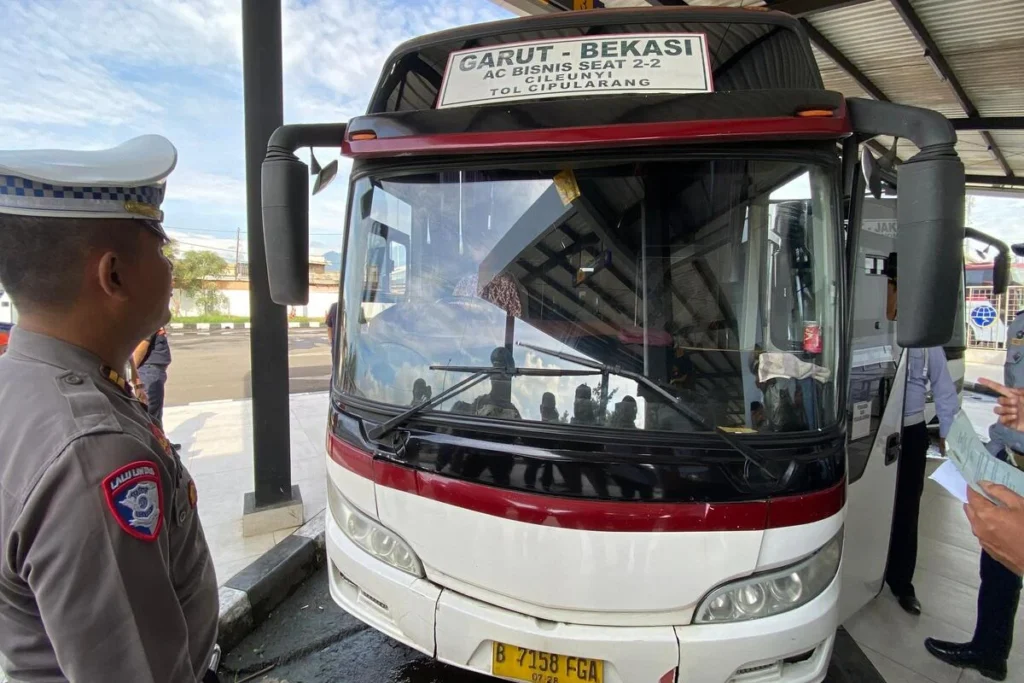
105, 572
1013, 376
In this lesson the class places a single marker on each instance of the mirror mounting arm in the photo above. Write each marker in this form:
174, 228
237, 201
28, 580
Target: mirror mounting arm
287, 139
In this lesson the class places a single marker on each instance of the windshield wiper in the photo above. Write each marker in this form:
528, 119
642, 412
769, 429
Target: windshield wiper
752, 455
479, 373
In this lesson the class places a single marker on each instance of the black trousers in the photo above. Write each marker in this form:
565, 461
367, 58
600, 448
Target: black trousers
899, 573
998, 596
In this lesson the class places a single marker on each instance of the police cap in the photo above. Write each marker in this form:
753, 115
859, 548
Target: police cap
126, 181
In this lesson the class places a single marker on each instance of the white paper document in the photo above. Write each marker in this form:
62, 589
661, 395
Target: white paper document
974, 462
948, 477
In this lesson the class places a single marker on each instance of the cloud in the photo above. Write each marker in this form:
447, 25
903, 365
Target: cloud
211, 189
92, 73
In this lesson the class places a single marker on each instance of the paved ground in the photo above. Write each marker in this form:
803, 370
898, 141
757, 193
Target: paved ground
216, 367
309, 639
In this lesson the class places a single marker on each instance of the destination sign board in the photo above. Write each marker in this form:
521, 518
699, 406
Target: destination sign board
647, 63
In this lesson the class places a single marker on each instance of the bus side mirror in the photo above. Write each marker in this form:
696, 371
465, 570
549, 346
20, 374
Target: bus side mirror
286, 229
930, 216
1001, 262
285, 189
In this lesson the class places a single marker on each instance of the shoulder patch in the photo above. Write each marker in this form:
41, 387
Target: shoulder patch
134, 496
161, 438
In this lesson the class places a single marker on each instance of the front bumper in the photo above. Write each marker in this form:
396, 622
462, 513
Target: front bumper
459, 630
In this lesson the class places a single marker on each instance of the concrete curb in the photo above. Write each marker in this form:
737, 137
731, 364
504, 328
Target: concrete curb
208, 328
248, 597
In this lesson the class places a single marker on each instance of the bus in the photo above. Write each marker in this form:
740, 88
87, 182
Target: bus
602, 424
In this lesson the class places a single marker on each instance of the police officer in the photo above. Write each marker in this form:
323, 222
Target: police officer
152, 356
925, 367
105, 573
1000, 587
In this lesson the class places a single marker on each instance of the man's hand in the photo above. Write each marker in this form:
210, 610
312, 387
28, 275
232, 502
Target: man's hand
1000, 528
1011, 404
942, 447
140, 393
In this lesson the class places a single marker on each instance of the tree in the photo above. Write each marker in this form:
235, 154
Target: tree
171, 252
190, 273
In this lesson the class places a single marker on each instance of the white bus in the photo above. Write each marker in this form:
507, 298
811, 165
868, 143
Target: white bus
611, 422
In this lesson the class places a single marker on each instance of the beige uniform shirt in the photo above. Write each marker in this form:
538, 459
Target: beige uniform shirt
105, 574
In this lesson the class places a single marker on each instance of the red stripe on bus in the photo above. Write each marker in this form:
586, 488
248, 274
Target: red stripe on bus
807, 507
625, 134
593, 515
351, 458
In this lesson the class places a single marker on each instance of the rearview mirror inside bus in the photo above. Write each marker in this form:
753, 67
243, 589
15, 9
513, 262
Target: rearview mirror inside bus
324, 178
872, 174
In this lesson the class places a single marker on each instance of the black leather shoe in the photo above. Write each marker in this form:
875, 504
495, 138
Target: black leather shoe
910, 604
967, 656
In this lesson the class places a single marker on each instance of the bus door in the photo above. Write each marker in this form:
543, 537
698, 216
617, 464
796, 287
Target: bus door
874, 412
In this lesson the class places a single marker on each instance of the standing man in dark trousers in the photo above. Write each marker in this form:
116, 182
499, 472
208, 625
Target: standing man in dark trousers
152, 356
105, 573
332, 324
925, 367
1000, 587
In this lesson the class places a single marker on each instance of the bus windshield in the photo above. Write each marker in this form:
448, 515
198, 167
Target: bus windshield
716, 278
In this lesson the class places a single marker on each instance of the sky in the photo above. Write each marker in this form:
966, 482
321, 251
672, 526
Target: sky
90, 74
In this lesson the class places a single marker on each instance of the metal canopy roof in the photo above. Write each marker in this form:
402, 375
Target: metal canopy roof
963, 58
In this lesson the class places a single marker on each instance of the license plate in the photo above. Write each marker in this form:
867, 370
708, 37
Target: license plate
522, 664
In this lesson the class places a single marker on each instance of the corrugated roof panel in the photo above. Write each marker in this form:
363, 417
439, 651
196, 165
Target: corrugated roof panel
993, 80
975, 154
875, 39
1012, 145
871, 34
837, 80
915, 82
965, 26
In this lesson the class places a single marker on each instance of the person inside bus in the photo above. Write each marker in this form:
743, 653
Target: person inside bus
584, 411
758, 419
548, 413
421, 391
925, 367
624, 415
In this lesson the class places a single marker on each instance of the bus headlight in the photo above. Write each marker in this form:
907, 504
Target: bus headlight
372, 536
774, 592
